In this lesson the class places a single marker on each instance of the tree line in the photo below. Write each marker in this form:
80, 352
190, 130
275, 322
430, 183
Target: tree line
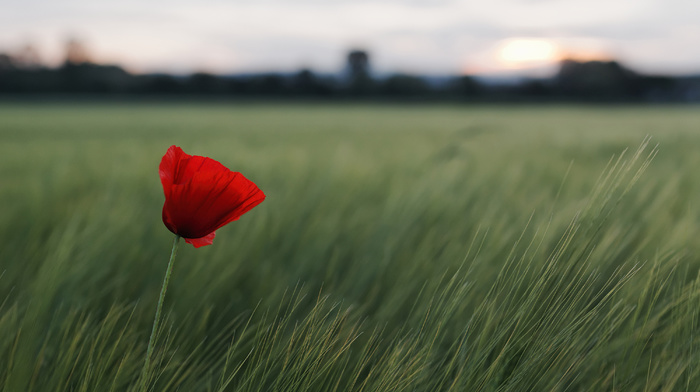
592, 81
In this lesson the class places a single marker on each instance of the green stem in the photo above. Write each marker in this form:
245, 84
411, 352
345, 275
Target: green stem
156, 321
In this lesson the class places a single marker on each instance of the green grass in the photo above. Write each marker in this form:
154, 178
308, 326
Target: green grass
401, 248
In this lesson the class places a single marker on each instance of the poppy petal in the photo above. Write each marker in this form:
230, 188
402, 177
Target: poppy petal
193, 164
233, 190
168, 166
202, 195
200, 242
187, 206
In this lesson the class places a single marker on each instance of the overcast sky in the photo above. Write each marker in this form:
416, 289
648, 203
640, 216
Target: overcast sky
421, 36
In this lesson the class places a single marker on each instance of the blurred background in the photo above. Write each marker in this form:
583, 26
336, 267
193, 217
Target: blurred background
503, 50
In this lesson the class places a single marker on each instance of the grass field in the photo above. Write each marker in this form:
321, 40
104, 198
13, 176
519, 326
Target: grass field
400, 248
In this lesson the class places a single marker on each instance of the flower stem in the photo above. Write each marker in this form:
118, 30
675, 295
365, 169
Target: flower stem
151, 342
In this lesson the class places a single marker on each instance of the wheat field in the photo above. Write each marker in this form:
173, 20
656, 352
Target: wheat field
400, 248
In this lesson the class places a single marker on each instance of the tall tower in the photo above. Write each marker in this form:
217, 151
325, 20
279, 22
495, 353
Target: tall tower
358, 64
358, 71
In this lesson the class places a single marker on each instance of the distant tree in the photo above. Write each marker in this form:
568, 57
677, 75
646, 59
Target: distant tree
595, 80
204, 83
304, 82
94, 78
160, 84
76, 52
7, 62
657, 88
688, 88
358, 69
307, 83
535, 88
28, 58
466, 86
238, 85
405, 85
269, 84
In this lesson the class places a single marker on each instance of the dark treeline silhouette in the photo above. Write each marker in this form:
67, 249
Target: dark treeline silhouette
591, 81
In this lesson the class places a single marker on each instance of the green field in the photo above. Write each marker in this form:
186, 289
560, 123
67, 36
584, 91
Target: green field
400, 248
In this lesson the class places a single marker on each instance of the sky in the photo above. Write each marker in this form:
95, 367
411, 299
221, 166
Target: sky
435, 37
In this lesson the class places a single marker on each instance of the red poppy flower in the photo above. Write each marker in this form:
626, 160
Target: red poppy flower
201, 195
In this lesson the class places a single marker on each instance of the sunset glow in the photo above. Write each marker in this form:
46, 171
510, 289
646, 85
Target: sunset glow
523, 52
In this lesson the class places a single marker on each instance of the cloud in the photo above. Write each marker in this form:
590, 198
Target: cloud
413, 34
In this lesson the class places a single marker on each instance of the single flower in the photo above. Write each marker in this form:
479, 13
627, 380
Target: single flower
201, 195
